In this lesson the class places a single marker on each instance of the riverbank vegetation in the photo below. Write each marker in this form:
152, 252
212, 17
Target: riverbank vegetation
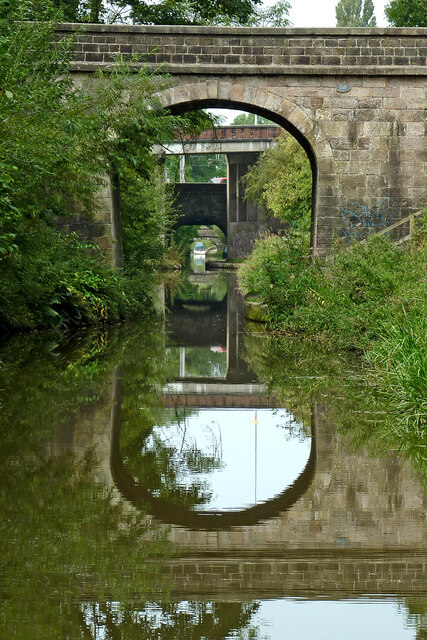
370, 297
58, 142
281, 182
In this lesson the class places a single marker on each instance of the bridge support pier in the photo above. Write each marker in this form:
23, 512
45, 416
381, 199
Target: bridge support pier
105, 228
245, 219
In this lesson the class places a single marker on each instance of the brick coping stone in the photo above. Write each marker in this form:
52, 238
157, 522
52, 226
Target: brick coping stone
274, 31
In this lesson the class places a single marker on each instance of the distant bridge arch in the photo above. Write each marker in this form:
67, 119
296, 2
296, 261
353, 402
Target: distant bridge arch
269, 104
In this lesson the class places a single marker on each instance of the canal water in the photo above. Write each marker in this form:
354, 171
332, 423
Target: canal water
189, 477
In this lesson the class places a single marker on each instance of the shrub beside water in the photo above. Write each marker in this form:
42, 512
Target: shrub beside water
399, 360
58, 141
371, 298
56, 280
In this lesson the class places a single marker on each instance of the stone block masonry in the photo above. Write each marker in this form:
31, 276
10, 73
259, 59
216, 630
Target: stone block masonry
292, 575
356, 99
258, 50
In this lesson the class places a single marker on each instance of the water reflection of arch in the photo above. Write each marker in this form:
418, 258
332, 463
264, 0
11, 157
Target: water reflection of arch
198, 322
172, 513
192, 321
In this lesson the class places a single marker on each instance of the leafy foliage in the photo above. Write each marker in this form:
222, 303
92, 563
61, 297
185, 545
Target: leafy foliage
198, 167
54, 280
275, 15
147, 214
58, 141
203, 12
407, 13
343, 298
371, 298
249, 118
162, 12
281, 181
352, 13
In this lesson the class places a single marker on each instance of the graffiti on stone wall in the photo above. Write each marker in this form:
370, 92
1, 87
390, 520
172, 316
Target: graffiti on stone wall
359, 220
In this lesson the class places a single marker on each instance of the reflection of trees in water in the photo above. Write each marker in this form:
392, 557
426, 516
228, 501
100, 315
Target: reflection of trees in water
63, 537
416, 614
298, 372
188, 620
214, 288
163, 460
192, 620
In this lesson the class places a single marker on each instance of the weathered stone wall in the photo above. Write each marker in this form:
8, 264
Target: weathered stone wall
367, 145
341, 576
98, 228
202, 203
263, 48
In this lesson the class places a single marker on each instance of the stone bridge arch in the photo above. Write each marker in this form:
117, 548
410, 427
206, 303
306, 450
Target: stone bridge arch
271, 104
353, 97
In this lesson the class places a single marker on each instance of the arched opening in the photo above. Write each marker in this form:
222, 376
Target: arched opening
177, 511
285, 113
198, 243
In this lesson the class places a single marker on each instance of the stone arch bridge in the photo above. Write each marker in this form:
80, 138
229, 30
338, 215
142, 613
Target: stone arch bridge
355, 99
223, 204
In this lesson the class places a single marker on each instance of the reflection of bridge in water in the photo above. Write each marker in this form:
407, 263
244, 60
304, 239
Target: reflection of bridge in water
216, 395
355, 524
359, 527
209, 323
237, 389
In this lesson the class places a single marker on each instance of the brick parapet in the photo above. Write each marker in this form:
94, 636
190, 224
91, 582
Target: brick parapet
238, 132
260, 51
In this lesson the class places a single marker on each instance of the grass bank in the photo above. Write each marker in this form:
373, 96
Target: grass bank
371, 298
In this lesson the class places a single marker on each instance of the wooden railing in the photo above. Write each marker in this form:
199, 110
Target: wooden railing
403, 229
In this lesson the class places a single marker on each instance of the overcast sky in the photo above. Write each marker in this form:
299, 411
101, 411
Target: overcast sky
321, 13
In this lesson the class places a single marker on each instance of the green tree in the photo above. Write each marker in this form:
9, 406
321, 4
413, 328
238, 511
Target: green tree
163, 12
201, 168
351, 13
274, 16
407, 13
281, 181
204, 12
198, 167
249, 118
57, 144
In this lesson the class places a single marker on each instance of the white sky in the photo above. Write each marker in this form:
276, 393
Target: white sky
311, 13
321, 13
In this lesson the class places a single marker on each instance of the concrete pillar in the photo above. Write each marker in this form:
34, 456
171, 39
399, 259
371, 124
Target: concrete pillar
182, 168
182, 362
238, 209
